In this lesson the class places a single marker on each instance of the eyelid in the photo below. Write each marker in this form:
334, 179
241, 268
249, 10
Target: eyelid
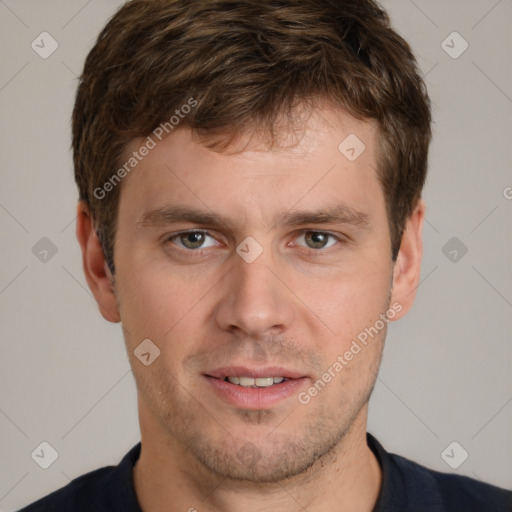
172, 237
338, 238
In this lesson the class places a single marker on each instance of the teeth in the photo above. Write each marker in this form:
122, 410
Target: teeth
246, 381
260, 382
263, 382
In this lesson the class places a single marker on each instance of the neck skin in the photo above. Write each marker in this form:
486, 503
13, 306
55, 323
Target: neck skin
167, 478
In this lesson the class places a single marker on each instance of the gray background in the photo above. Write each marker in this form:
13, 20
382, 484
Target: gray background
65, 377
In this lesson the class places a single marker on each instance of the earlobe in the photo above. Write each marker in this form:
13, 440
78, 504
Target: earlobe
407, 269
95, 267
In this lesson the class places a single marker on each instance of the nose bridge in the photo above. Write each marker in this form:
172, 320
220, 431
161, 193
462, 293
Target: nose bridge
255, 301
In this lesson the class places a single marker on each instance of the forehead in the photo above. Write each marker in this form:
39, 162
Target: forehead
331, 160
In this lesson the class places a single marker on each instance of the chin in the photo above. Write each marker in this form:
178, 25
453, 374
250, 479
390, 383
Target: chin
267, 460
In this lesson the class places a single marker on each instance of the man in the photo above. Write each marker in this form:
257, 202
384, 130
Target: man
250, 177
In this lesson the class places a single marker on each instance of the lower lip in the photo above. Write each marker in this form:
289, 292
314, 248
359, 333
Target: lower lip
256, 398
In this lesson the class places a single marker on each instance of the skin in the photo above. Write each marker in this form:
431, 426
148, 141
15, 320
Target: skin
295, 306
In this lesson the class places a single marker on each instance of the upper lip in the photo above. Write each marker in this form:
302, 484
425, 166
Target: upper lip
254, 372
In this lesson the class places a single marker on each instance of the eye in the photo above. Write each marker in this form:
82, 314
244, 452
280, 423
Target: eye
191, 240
317, 239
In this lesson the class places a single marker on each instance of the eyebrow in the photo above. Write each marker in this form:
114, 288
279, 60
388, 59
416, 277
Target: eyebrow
339, 214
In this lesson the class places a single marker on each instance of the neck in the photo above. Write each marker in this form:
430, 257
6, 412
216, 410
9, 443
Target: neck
167, 478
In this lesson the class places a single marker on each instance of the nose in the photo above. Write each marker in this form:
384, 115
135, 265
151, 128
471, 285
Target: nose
254, 302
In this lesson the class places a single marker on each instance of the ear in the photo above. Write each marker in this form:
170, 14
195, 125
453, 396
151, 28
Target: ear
407, 268
97, 273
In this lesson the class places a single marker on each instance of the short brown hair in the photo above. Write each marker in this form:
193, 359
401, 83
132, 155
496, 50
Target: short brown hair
248, 63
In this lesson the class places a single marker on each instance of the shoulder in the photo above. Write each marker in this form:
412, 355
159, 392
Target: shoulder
82, 493
105, 489
408, 485
456, 492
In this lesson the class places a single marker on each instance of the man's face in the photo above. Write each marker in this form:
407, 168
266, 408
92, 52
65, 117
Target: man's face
216, 308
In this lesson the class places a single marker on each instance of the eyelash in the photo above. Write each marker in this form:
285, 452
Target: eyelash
200, 250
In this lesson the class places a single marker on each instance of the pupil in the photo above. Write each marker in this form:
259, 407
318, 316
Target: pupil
318, 240
193, 240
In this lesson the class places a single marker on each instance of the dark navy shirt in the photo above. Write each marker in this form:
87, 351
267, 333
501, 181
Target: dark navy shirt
406, 487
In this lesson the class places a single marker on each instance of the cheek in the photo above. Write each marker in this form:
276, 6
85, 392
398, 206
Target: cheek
154, 302
348, 301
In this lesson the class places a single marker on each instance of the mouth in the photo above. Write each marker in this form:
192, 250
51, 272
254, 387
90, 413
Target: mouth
255, 388
258, 382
